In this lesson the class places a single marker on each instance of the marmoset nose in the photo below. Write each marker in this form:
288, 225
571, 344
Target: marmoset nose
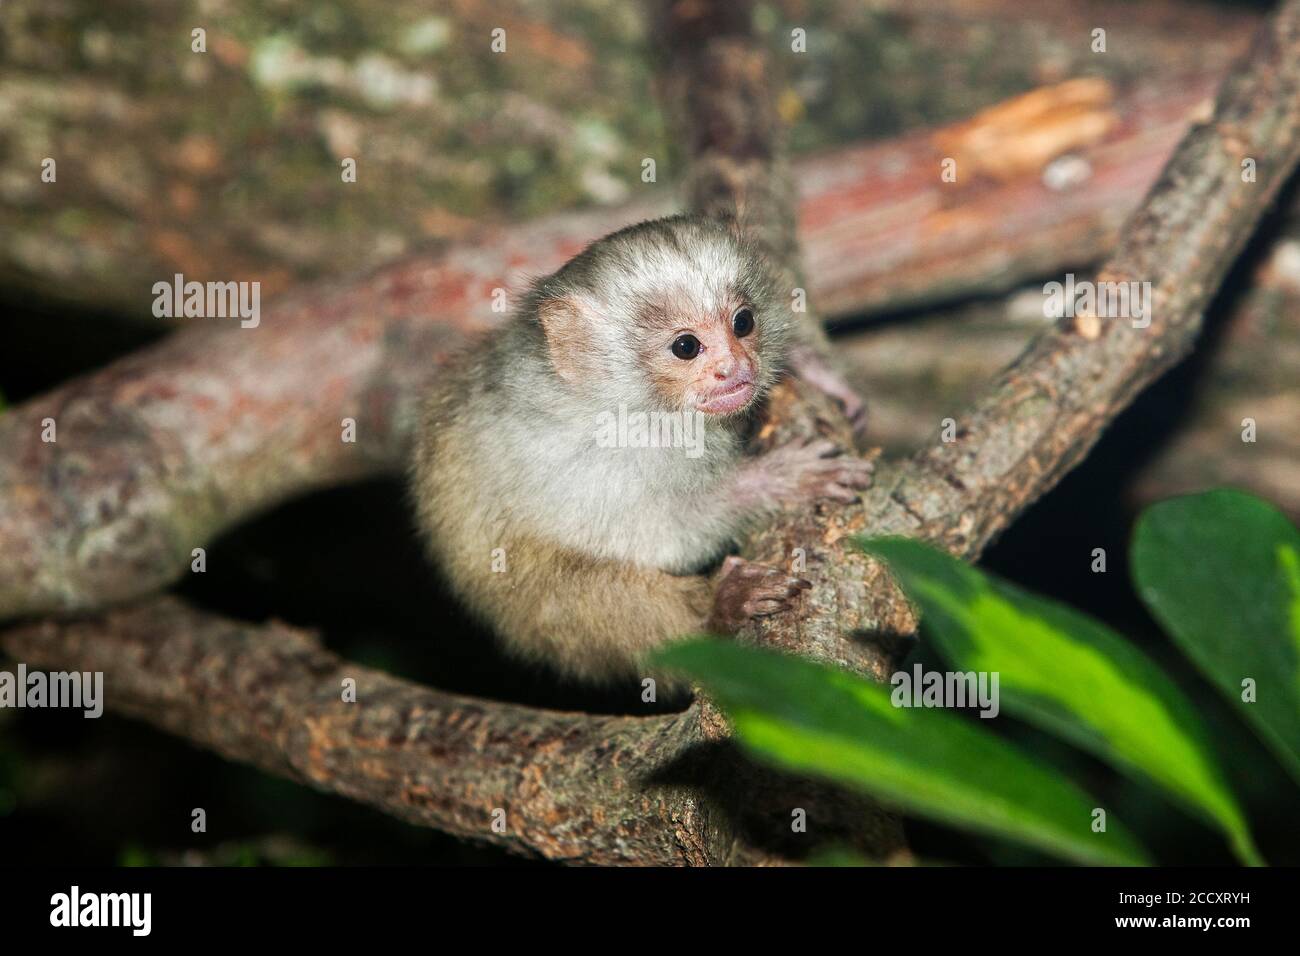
730, 364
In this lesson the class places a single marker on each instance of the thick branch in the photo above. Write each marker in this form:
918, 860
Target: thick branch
574, 786
162, 450
1043, 414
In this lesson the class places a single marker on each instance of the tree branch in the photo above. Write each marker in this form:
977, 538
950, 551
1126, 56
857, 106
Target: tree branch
574, 786
1044, 413
162, 450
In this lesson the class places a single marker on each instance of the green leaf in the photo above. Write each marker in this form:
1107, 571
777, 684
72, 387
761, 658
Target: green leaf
823, 721
1221, 572
1069, 674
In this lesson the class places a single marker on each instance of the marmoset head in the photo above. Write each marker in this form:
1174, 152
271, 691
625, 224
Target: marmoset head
678, 314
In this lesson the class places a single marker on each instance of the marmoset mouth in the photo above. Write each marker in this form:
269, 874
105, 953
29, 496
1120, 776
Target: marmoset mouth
728, 400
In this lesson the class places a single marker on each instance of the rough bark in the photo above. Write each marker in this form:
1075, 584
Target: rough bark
574, 787
163, 449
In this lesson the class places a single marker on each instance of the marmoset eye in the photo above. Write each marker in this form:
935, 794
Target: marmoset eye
742, 323
686, 347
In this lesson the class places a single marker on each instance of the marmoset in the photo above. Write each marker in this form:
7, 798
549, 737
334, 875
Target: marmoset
579, 473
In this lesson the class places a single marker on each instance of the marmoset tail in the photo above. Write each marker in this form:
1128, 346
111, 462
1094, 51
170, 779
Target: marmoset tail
580, 472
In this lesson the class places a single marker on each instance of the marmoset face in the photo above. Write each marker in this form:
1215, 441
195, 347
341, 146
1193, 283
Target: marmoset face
678, 314
712, 362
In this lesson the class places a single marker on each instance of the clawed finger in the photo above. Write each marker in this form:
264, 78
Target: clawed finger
766, 607
823, 447
840, 493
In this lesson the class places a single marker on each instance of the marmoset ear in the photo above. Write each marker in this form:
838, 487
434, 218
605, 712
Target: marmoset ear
567, 326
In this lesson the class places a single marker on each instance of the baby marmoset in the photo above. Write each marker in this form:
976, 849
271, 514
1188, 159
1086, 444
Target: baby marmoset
580, 542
